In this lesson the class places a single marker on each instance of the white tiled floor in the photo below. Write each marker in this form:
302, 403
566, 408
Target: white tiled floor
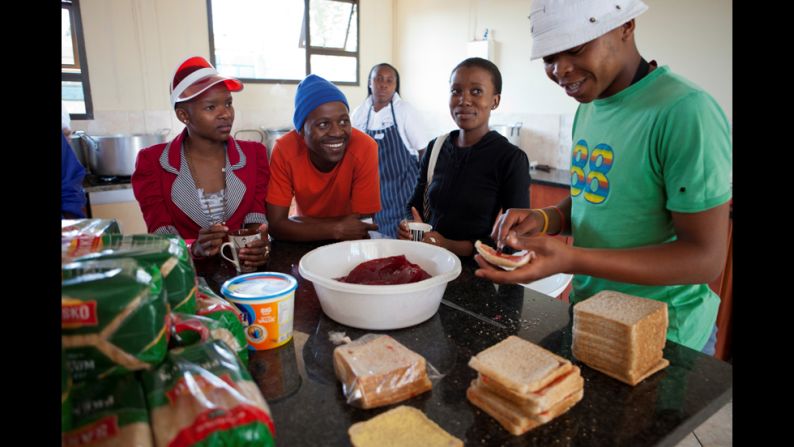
717, 431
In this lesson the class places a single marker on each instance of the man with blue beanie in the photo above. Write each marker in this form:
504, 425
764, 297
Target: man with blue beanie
327, 166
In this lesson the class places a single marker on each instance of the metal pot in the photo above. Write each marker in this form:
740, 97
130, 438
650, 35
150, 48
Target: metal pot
512, 133
76, 144
272, 136
114, 155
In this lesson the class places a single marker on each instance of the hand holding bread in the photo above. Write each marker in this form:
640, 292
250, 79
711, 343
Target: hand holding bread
552, 256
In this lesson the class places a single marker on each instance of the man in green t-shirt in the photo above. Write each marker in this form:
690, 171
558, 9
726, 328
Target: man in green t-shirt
650, 173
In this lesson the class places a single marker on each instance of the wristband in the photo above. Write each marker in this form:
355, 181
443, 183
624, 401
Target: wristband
545, 220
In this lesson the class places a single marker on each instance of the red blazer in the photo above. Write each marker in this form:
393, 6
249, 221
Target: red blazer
165, 190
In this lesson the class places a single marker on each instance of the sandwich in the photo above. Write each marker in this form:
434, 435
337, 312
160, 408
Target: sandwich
503, 259
376, 370
523, 385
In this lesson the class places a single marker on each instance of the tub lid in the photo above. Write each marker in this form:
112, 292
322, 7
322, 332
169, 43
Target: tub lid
259, 285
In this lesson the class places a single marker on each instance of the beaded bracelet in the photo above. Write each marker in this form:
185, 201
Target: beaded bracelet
545, 220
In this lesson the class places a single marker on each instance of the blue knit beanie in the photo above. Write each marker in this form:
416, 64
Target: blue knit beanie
313, 92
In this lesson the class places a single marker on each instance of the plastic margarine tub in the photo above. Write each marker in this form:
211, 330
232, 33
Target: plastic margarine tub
267, 301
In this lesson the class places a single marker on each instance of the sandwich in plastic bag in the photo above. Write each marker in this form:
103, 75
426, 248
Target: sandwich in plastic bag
377, 370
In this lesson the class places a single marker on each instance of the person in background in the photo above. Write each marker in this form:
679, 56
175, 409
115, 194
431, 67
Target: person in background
329, 168
72, 174
478, 172
650, 185
397, 128
204, 183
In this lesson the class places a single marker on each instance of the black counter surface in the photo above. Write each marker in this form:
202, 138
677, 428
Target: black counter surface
309, 408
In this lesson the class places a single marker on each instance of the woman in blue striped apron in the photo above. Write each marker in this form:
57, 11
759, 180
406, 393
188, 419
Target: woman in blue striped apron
398, 130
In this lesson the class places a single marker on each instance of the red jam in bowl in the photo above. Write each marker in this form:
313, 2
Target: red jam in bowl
384, 271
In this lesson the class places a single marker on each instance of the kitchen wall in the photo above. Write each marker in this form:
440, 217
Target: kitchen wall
133, 47
430, 37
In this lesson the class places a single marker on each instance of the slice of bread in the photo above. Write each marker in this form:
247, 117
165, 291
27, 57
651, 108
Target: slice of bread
541, 400
403, 426
511, 417
380, 371
519, 365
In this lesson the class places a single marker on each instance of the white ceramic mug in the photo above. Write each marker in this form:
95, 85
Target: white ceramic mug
418, 230
237, 240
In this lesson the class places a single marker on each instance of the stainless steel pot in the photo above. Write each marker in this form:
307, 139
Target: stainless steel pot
109, 155
272, 136
512, 133
77, 147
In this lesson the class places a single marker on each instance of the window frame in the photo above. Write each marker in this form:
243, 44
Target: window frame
310, 49
78, 42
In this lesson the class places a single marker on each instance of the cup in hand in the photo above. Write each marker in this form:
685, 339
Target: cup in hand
418, 230
237, 240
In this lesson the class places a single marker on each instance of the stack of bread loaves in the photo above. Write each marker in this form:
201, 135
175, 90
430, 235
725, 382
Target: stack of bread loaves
522, 385
620, 335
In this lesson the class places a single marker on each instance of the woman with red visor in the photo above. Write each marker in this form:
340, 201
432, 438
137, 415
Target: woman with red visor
204, 183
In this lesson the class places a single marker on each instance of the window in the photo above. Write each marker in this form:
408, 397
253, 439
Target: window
269, 41
75, 91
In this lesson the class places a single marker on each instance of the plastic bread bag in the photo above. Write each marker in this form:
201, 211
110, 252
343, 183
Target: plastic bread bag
203, 396
109, 412
189, 329
66, 395
114, 317
83, 236
226, 314
168, 252
377, 370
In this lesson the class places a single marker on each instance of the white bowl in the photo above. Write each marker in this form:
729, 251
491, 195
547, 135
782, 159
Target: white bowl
552, 285
373, 306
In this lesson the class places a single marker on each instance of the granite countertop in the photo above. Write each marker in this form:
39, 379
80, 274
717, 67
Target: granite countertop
309, 408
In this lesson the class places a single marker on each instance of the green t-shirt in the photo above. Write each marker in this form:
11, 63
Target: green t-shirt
661, 145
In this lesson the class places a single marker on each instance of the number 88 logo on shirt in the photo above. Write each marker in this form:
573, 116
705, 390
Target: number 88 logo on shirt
597, 163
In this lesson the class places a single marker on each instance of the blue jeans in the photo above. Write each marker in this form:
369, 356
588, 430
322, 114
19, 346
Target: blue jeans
711, 345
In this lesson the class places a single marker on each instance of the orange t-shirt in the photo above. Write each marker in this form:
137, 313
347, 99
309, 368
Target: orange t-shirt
353, 186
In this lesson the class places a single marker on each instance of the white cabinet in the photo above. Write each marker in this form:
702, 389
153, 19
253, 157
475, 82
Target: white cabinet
119, 204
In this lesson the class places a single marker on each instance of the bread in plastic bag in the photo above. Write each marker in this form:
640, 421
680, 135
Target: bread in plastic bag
114, 317
109, 412
202, 395
377, 370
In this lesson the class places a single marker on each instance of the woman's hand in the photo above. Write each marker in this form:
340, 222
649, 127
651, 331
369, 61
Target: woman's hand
518, 222
553, 256
209, 240
402, 228
434, 238
257, 252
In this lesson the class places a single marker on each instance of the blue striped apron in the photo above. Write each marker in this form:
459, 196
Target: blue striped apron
399, 170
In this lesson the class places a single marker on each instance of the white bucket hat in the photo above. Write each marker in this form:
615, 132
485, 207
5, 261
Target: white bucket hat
559, 25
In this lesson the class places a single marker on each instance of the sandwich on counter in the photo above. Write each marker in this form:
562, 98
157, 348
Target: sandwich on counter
522, 385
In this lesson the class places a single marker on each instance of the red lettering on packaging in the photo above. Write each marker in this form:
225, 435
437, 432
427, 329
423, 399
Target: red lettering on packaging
76, 313
102, 429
